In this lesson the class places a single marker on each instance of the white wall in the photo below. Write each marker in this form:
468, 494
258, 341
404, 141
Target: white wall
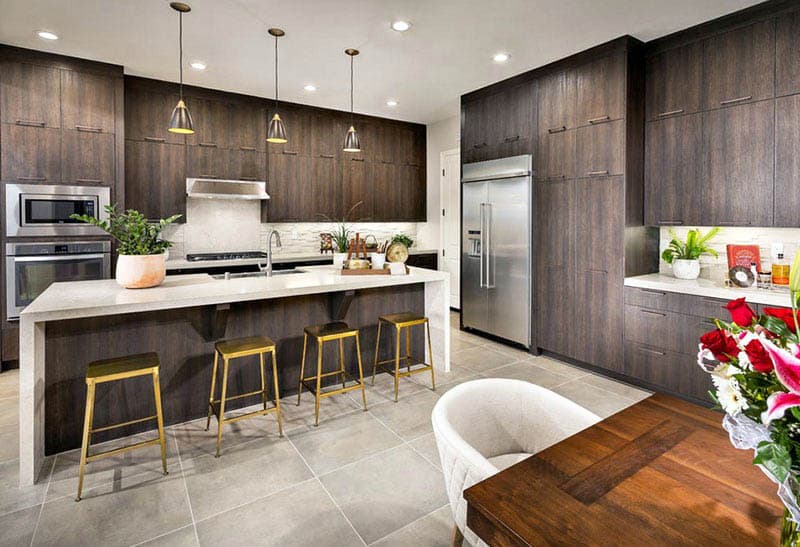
441, 136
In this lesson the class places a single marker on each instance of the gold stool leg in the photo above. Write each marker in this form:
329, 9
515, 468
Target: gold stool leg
277, 394
408, 349
302, 368
377, 351
319, 383
430, 354
213, 388
361, 372
160, 420
341, 362
396, 362
87, 426
263, 382
225, 363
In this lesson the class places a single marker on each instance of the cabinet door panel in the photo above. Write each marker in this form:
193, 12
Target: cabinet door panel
30, 154
357, 177
600, 224
556, 158
246, 165
249, 127
87, 101
413, 197
739, 66
475, 126
387, 192
674, 81
206, 162
326, 184
298, 131
30, 94
673, 171
787, 58
289, 184
738, 145
600, 149
600, 89
556, 100
212, 123
155, 180
673, 371
87, 158
787, 161
598, 319
147, 115
325, 139
367, 137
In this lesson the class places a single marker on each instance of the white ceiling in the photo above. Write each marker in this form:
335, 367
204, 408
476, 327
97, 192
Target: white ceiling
447, 52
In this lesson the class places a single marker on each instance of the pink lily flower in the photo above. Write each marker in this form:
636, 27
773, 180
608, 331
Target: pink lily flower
787, 368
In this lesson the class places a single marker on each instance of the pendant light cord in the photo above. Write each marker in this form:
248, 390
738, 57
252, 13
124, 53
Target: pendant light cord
180, 48
276, 74
351, 90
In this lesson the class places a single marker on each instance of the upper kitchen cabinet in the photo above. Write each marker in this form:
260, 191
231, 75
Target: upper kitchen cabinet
674, 81
155, 179
787, 50
30, 95
212, 123
30, 154
600, 149
739, 146
673, 171
289, 188
248, 127
740, 66
298, 130
358, 189
475, 121
367, 137
787, 161
555, 158
88, 102
600, 89
556, 99
206, 162
413, 203
147, 114
325, 139
325, 184
87, 157
245, 165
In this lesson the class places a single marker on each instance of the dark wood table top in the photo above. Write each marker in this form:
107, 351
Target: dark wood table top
660, 472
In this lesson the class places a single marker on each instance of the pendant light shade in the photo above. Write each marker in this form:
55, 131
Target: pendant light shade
181, 119
351, 142
276, 132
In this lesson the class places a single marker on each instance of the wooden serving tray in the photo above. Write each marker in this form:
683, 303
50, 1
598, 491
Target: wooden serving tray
385, 271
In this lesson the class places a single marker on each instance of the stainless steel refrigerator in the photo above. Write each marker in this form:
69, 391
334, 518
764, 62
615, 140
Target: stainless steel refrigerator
496, 248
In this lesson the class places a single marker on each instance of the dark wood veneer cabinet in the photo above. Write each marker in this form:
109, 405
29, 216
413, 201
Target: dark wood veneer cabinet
248, 127
205, 162
88, 102
739, 146
787, 54
245, 165
30, 94
556, 155
145, 114
500, 124
212, 123
600, 89
357, 186
325, 185
787, 161
288, 187
600, 149
30, 154
326, 140
155, 182
87, 157
556, 99
674, 81
740, 66
673, 171
298, 129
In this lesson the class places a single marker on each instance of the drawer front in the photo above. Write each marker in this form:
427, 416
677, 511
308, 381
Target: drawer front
705, 307
659, 328
652, 298
673, 371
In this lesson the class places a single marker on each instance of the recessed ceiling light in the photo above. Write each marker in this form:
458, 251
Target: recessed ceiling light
310, 87
391, 102
47, 35
401, 26
500, 57
198, 65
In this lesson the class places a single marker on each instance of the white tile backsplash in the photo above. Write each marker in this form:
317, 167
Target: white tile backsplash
717, 268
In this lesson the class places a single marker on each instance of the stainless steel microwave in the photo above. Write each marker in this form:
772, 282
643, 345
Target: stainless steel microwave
44, 210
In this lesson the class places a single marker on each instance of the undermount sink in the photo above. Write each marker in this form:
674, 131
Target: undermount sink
242, 275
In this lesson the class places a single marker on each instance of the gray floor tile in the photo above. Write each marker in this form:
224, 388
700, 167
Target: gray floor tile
426, 446
242, 473
9, 442
17, 528
410, 417
9, 412
559, 367
9, 384
529, 372
194, 440
620, 388
457, 343
383, 390
480, 359
456, 375
183, 537
12, 497
302, 515
601, 402
434, 530
302, 416
343, 440
115, 514
383, 493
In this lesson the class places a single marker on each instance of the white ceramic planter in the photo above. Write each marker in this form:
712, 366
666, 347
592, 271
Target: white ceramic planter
686, 269
338, 259
141, 271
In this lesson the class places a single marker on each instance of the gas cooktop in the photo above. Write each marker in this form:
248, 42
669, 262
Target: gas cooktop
239, 255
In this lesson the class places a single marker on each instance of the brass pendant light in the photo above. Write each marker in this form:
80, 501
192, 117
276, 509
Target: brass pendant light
351, 143
181, 120
276, 133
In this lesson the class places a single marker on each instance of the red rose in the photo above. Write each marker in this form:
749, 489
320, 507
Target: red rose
784, 314
758, 356
740, 312
720, 344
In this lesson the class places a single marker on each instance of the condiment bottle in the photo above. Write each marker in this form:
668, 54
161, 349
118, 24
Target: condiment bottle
780, 271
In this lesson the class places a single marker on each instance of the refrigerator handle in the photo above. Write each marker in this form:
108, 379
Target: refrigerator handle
490, 270
480, 242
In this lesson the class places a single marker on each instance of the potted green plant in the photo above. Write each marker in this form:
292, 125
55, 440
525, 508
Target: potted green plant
684, 255
404, 239
142, 258
340, 236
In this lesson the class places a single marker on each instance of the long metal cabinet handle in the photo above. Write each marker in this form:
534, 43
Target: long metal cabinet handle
483, 247
490, 273
736, 100
669, 113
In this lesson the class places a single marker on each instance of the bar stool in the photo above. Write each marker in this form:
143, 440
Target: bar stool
110, 370
231, 349
402, 321
327, 333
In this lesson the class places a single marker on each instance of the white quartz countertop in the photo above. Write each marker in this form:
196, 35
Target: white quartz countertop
180, 262
77, 299
708, 288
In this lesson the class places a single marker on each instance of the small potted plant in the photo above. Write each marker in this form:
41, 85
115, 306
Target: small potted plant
142, 258
684, 256
404, 239
340, 236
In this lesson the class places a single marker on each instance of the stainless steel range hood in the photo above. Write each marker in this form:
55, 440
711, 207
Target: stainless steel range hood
207, 188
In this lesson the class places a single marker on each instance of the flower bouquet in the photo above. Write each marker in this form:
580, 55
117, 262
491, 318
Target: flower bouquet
754, 363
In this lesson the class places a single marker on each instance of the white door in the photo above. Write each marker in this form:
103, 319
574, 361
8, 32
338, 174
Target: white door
451, 222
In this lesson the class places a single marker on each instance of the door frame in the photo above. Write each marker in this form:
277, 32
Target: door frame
442, 192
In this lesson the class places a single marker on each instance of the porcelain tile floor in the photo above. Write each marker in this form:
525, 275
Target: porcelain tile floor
360, 478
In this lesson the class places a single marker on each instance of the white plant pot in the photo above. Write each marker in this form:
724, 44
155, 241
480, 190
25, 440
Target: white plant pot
338, 259
141, 271
686, 269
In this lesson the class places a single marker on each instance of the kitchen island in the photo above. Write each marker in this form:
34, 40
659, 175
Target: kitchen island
72, 324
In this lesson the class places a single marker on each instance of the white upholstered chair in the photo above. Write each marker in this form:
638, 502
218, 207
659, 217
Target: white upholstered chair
484, 426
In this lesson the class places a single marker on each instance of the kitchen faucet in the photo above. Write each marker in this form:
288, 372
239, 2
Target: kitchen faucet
268, 268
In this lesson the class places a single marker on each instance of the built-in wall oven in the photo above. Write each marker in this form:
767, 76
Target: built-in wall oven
32, 267
45, 210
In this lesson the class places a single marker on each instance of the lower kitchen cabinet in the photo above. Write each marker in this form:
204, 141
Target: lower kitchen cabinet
148, 162
424, 260
598, 319
9, 344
